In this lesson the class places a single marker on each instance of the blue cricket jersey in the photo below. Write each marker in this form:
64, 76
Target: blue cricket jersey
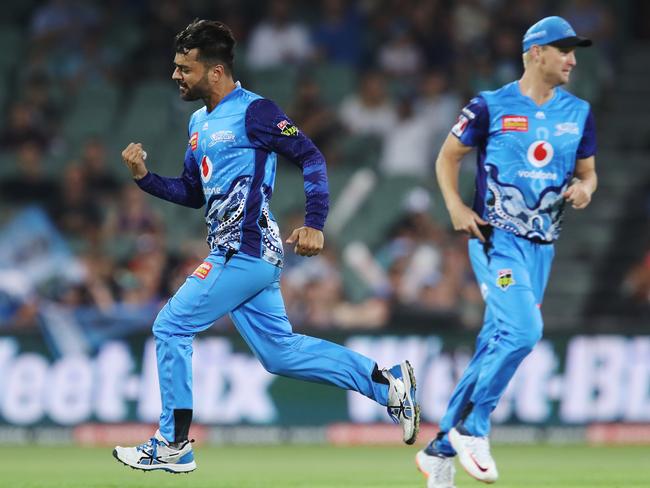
526, 156
230, 166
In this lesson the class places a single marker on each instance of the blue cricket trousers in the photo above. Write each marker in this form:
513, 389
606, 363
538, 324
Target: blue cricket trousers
249, 289
512, 273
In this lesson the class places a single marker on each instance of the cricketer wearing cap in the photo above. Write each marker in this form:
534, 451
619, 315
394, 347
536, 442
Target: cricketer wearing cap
536, 145
229, 167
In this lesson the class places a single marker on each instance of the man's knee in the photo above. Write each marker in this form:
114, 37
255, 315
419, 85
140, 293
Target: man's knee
277, 354
528, 340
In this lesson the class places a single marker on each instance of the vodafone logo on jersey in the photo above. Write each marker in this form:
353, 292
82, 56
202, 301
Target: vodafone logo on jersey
540, 153
206, 169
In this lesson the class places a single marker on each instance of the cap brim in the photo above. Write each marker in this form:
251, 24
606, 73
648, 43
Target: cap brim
573, 41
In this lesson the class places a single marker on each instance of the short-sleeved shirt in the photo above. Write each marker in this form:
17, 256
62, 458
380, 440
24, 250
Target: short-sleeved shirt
526, 156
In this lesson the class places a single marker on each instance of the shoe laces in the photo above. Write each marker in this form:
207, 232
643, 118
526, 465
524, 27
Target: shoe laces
151, 443
402, 411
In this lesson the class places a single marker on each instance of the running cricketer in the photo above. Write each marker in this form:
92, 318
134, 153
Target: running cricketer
229, 167
536, 146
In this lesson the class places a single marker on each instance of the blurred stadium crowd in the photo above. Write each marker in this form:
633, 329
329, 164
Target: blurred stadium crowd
375, 83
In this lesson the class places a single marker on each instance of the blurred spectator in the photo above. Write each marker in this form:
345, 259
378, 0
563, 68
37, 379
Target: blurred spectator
471, 23
370, 111
338, 36
61, 24
315, 118
637, 281
132, 223
26, 125
153, 56
96, 62
77, 213
482, 75
507, 57
313, 293
439, 105
277, 40
407, 148
592, 19
400, 56
430, 26
140, 281
419, 50
101, 183
30, 184
37, 95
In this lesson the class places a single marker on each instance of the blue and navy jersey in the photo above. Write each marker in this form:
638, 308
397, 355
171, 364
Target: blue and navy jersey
230, 166
526, 156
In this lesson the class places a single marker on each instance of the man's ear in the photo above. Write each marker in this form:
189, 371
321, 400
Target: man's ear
216, 72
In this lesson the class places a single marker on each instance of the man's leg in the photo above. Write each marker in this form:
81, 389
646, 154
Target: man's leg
464, 389
513, 295
263, 323
215, 288
460, 397
209, 293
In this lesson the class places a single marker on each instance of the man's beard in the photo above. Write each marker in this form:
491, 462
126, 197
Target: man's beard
197, 92
189, 94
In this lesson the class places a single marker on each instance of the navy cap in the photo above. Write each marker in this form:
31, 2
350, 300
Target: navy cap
554, 31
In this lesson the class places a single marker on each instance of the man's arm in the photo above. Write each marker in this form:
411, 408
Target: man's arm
470, 130
185, 190
462, 217
584, 184
270, 129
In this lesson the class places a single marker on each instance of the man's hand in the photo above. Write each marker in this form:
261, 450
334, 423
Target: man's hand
309, 242
464, 219
133, 157
578, 194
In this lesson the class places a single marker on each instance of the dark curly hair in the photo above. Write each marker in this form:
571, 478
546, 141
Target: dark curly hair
213, 39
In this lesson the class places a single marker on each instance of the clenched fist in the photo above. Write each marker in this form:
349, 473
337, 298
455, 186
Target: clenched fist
133, 157
309, 241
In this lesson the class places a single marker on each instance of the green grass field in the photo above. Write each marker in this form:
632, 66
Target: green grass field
320, 467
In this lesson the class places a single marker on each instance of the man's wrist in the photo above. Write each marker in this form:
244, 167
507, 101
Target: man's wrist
139, 176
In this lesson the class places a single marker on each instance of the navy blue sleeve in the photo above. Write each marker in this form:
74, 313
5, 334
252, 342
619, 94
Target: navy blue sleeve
185, 190
587, 147
269, 129
473, 124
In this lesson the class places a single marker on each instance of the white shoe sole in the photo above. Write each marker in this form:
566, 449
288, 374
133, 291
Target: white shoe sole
468, 463
408, 377
170, 468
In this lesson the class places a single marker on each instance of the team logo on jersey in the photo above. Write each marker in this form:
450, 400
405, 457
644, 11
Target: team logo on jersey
540, 115
206, 126
505, 279
540, 153
194, 141
203, 270
516, 123
460, 126
221, 136
286, 129
206, 169
566, 128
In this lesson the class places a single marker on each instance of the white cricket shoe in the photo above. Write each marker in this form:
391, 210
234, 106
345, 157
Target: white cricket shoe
438, 469
402, 406
474, 455
156, 453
